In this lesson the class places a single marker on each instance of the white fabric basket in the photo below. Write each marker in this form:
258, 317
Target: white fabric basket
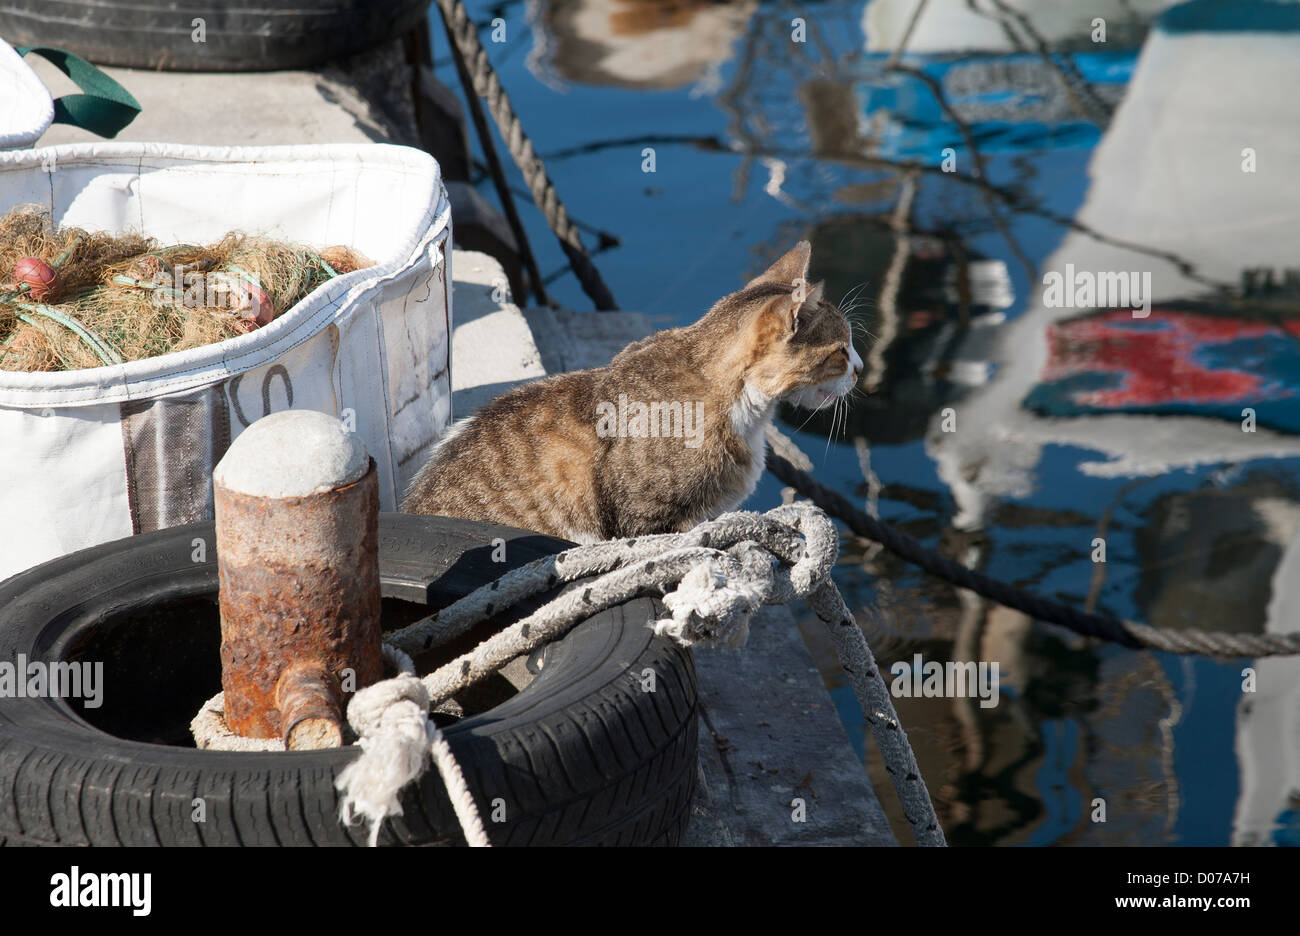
92, 455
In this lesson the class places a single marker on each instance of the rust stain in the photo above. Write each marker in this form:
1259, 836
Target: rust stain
299, 584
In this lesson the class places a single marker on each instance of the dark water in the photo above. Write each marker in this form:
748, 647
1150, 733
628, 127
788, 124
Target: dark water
1166, 152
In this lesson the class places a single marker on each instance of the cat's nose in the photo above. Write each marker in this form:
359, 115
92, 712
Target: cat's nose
855, 362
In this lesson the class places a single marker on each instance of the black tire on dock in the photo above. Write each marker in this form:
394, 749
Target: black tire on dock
580, 755
236, 36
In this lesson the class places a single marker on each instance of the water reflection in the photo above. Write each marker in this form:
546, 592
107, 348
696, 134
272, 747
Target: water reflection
650, 44
1139, 154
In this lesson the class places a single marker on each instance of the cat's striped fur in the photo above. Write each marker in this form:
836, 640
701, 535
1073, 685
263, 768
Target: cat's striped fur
542, 456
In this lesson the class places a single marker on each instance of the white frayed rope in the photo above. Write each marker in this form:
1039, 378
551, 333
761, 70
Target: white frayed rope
711, 579
396, 737
710, 607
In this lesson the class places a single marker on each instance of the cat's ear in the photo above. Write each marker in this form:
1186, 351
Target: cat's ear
790, 269
789, 308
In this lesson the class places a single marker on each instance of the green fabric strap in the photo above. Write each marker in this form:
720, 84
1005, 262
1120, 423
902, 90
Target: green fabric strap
105, 108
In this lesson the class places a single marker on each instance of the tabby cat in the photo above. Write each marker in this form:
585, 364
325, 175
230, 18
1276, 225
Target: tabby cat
669, 433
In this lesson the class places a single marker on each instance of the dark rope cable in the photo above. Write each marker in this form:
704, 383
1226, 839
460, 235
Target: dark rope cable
535, 281
1127, 633
464, 37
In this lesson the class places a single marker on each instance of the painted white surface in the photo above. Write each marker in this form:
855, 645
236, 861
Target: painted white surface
952, 26
293, 453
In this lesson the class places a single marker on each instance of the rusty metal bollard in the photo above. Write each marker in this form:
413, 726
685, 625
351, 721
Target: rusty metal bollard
297, 508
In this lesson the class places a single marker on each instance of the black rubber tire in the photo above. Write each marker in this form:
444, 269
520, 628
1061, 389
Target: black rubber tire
239, 36
581, 755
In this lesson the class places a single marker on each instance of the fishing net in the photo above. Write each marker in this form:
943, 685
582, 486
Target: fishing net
89, 299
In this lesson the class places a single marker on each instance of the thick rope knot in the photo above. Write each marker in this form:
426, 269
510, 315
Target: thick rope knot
710, 606
391, 719
371, 708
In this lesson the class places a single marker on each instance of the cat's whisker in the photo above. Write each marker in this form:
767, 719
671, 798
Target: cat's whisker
809, 419
859, 326
852, 296
856, 308
830, 436
856, 301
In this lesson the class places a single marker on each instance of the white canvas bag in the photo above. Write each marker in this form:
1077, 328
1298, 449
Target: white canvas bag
92, 455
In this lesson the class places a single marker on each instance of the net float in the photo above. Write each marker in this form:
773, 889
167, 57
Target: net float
255, 305
248, 302
38, 276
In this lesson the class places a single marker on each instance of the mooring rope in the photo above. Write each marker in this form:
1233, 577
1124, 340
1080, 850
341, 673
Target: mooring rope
504, 193
486, 84
396, 735
1127, 633
711, 580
